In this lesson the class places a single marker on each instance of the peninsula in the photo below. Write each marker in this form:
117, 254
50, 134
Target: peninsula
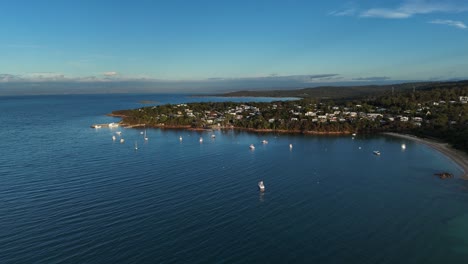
439, 111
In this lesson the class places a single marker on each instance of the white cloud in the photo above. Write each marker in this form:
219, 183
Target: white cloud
45, 76
346, 12
426, 7
5, 77
385, 13
452, 23
410, 8
110, 73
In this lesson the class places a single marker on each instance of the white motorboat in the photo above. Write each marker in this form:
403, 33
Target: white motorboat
264, 141
376, 152
213, 136
403, 146
252, 146
261, 186
290, 146
201, 139
180, 138
122, 140
113, 138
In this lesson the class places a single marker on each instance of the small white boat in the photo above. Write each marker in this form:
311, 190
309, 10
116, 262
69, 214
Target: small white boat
113, 138
113, 125
122, 140
376, 152
201, 140
213, 136
97, 126
141, 133
261, 186
403, 146
145, 137
180, 138
354, 134
118, 133
290, 146
264, 141
252, 146
136, 145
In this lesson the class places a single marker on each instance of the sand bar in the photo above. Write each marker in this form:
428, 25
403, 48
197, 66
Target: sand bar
457, 156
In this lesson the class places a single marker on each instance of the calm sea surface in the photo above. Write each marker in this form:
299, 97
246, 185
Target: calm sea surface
69, 194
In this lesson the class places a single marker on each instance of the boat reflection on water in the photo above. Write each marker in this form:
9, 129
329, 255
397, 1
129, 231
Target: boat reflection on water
261, 197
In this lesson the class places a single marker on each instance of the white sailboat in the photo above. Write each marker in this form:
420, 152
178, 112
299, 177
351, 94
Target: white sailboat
201, 139
180, 138
136, 145
290, 146
403, 146
146, 138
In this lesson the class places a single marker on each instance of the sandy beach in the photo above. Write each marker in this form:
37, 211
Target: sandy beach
457, 156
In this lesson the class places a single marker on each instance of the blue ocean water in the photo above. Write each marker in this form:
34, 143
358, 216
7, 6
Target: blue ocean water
69, 194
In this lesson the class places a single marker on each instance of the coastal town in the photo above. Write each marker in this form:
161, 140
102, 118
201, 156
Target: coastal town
436, 113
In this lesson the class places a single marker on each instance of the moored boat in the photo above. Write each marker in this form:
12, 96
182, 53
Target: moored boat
261, 186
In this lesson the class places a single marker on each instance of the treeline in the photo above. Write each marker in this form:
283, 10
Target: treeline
434, 112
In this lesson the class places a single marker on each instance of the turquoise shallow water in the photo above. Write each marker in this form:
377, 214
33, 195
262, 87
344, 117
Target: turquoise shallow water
71, 195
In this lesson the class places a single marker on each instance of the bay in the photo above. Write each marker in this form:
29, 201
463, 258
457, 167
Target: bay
69, 194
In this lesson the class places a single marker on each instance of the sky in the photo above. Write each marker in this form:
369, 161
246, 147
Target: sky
164, 46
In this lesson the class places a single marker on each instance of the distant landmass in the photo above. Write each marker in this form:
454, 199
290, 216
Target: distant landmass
347, 92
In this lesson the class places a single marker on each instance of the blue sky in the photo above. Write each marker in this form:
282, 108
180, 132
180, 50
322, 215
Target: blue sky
239, 44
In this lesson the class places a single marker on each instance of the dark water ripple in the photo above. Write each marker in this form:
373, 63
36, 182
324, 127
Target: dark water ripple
71, 195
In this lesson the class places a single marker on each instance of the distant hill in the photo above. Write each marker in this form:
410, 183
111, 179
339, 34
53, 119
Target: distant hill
347, 92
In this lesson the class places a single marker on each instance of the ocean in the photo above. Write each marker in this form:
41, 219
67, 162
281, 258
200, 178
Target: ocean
69, 194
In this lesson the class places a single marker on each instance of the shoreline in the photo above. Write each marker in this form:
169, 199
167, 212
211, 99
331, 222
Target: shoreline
278, 131
458, 157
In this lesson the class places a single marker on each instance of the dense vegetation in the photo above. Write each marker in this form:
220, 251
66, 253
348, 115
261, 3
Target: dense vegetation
436, 111
348, 92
